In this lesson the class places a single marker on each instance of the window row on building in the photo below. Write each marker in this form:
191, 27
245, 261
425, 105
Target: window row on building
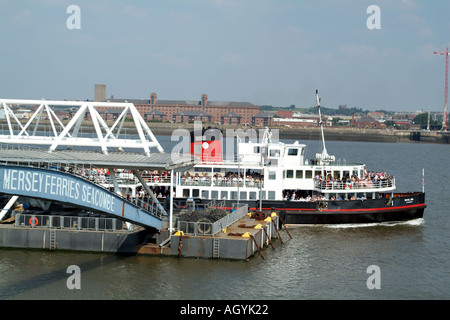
185, 111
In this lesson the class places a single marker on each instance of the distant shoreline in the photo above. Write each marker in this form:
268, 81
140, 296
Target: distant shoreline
301, 134
331, 134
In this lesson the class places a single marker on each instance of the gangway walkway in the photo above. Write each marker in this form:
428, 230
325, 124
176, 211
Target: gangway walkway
62, 186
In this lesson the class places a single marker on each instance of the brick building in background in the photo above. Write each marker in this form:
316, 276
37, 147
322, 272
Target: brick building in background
223, 112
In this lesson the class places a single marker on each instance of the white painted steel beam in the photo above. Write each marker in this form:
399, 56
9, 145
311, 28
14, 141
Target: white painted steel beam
58, 139
8, 206
105, 137
144, 184
38, 111
114, 181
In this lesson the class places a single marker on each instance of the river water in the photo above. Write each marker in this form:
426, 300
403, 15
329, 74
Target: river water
320, 262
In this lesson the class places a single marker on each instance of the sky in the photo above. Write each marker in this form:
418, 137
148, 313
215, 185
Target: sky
267, 52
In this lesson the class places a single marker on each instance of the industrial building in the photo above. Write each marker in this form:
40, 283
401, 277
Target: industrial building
185, 111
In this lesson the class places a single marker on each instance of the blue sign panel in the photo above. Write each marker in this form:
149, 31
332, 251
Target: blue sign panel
63, 187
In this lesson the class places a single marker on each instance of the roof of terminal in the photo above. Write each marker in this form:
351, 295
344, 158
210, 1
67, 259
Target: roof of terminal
123, 160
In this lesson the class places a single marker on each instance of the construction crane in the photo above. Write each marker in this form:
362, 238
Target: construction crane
444, 127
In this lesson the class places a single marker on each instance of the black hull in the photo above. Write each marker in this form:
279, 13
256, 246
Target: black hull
378, 216
402, 207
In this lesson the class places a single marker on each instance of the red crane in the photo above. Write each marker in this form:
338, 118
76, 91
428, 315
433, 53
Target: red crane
444, 127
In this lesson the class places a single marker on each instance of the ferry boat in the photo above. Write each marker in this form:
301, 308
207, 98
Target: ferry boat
275, 176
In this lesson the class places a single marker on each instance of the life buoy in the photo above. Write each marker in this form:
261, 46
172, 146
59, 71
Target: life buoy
33, 221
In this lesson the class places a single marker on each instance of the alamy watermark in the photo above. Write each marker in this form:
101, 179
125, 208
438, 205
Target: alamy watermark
74, 280
374, 21
230, 137
374, 280
73, 22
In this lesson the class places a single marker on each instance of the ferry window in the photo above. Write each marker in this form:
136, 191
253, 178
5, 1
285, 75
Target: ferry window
256, 150
205, 194
233, 195
336, 175
186, 193
195, 193
308, 174
203, 169
289, 174
292, 152
299, 174
223, 194
272, 175
214, 194
263, 195
274, 152
252, 195
271, 195
243, 195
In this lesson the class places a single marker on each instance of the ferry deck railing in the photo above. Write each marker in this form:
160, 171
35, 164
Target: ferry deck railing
221, 183
72, 222
354, 185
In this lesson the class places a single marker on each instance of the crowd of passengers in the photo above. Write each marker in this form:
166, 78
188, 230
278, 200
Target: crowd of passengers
160, 192
369, 180
290, 195
228, 178
100, 175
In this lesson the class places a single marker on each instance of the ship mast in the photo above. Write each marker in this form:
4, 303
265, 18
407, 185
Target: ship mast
322, 158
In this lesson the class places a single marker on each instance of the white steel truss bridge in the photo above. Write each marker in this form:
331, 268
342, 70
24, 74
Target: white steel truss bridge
105, 137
